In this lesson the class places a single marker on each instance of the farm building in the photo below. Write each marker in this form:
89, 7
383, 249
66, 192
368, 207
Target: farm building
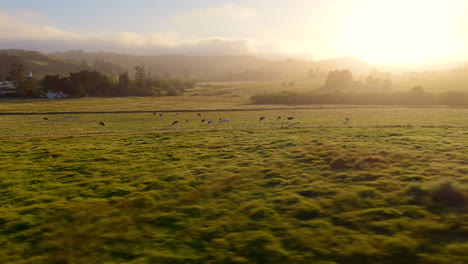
7, 87
52, 95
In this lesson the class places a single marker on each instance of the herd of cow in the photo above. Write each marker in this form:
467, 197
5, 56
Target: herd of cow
221, 120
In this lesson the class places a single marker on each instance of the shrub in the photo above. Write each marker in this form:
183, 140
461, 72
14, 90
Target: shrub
414, 97
401, 249
257, 247
449, 195
339, 164
262, 213
274, 182
307, 211
417, 192
287, 200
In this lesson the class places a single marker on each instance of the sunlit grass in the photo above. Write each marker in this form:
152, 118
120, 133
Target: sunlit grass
388, 187
81, 124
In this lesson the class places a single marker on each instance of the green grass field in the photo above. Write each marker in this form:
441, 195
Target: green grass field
391, 186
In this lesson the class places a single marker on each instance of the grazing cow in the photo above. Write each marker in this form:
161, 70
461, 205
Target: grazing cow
210, 122
291, 118
262, 118
102, 124
279, 117
175, 122
203, 121
347, 120
186, 120
154, 113
199, 114
45, 118
224, 120
161, 115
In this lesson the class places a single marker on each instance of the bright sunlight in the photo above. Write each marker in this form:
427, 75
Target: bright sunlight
404, 31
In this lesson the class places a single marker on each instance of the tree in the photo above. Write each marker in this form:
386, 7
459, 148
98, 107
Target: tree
29, 87
140, 77
373, 82
91, 83
124, 80
17, 73
387, 84
339, 79
55, 83
50, 83
123, 88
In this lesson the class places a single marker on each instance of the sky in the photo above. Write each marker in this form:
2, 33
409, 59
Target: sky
383, 31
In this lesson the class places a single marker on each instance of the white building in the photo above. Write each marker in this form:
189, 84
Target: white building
52, 95
7, 87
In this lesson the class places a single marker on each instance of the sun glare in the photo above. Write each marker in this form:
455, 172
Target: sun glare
403, 31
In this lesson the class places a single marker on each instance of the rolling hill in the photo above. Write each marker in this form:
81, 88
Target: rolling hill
38, 63
200, 68
221, 68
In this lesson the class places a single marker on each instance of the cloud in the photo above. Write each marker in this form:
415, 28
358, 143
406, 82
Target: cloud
231, 12
27, 32
167, 43
12, 27
29, 15
216, 46
18, 33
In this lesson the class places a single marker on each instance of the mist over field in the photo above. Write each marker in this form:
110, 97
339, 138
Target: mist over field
325, 131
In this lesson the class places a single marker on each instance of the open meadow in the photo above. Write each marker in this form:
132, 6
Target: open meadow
388, 186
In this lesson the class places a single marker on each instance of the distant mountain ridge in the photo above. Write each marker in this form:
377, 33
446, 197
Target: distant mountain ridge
216, 68
38, 63
220, 67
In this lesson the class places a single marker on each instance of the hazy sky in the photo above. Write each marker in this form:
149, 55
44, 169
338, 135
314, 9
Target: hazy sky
385, 31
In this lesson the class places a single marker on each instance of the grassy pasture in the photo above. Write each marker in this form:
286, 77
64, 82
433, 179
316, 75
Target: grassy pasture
116, 104
389, 187
81, 124
246, 89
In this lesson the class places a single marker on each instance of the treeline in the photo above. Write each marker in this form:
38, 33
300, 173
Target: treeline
414, 97
340, 88
339, 80
94, 83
